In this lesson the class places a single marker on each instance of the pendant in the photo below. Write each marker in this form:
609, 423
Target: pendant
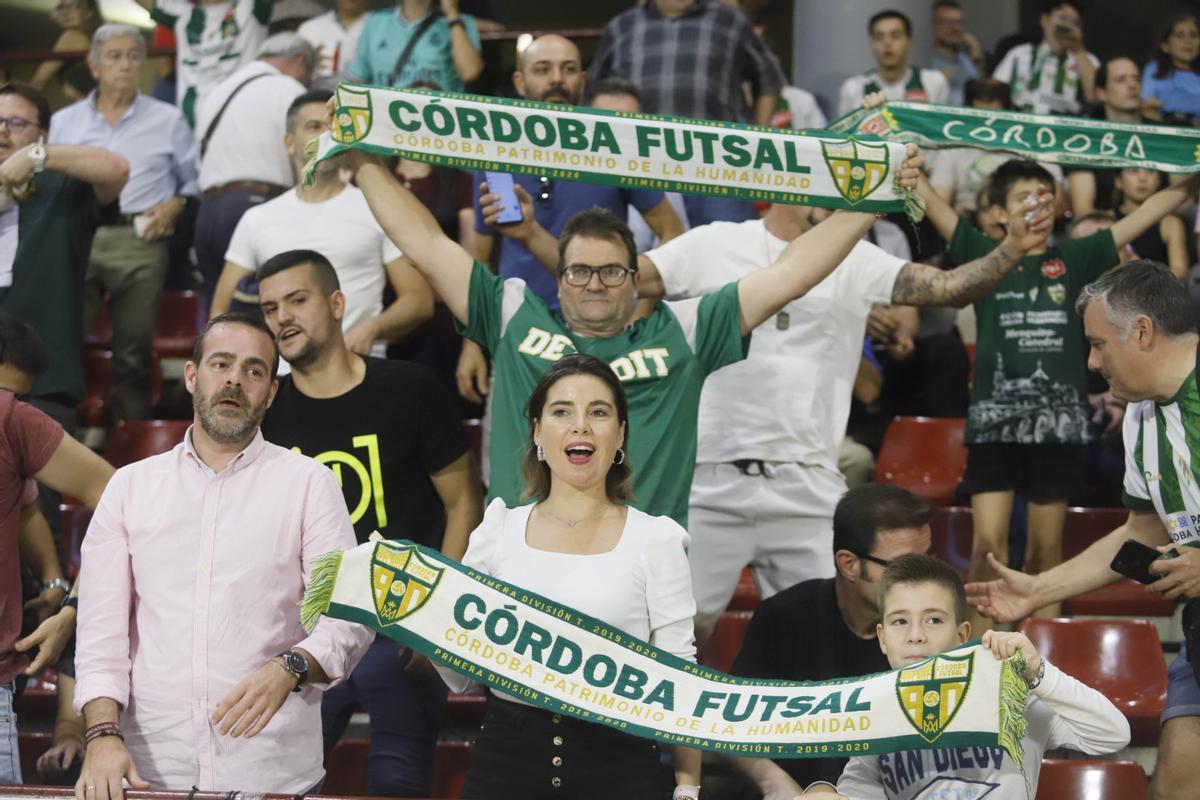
782, 321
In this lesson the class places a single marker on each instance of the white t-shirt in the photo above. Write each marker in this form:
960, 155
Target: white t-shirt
966, 171
1041, 81
643, 586
917, 85
789, 400
803, 107
211, 42
341, 228
1061, 712
247, 144
338, 43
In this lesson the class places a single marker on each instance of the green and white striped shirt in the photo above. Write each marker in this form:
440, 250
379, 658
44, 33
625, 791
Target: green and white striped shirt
1160, 469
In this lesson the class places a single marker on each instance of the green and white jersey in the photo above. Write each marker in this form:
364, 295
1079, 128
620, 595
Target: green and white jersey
211, 42
662, 360
1162, 453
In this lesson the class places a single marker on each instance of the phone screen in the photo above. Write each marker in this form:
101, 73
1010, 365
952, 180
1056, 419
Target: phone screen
501, 183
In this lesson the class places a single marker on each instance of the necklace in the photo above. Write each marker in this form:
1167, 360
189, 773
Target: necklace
571, 523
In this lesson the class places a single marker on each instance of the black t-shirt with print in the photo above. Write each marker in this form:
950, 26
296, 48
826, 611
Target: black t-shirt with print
382, 439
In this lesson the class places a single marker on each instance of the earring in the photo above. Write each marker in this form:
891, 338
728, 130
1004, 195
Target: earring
620, 458
541, 455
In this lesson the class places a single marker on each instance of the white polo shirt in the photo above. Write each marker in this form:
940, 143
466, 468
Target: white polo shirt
247, 144
917, 85
341, 228
789, 400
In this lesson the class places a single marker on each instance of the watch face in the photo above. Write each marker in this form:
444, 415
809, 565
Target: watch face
296, 663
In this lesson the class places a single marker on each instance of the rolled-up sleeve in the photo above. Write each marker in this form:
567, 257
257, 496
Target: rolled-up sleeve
102, 650
336, 644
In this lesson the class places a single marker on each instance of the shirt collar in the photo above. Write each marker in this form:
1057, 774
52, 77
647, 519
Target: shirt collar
405, 21
242, 460
653, 12
94, 95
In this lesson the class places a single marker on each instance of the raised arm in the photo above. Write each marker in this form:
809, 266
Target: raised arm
1151, 212
923, 285
938, 209
105, 171
468, 62
440, 260
412, 307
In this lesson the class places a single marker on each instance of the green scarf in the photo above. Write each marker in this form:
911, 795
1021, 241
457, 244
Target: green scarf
556, 658
634, 151
1044, 137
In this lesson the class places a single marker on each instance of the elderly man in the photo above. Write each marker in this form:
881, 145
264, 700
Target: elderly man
129, 254
192, 667
240, 129
1142, 328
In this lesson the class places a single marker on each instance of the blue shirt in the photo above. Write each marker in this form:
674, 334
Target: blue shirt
152, 136
383, 39
1179, 91
555, 202
960, 69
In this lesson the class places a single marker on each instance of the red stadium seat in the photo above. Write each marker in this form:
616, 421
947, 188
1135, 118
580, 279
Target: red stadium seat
1083, 779
1121, 658
39, 697
73, 521
745, 595
346, 768
924, 455
726, 641
95, 410
450, 768
970, 348
31, 746
133, 441
1125, 598
953, 529
473, 429
1086, 525
181, 315
100, 335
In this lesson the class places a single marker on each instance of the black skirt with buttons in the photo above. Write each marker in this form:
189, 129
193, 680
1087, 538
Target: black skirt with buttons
525, 753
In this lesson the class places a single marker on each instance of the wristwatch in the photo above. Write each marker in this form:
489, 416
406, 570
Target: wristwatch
57, 583
71, 601
296, 666
37, 154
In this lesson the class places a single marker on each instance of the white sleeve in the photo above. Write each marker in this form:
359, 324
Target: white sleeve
1003, 70
679, 263
939, 87
669, 598
241, 245
1135, 482
860, 779
1084, 719
850, 96
872, 272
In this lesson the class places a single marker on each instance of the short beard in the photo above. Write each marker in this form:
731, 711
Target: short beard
221, 430
306, 356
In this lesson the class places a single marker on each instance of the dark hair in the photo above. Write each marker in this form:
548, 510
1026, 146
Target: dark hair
1142, 287
1118, 194
597, 223
866, 510
1102, 70
613, 85
535, 475
322, 271
33, 97
20, 346
890, 13
1049, 6
1011, 171
311, 96
1163, 66
985, 89
947, 4
923, 568
235, 318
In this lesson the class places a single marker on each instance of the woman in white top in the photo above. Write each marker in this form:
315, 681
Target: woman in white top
579, 543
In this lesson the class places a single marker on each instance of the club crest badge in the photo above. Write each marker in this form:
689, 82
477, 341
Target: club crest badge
1054, 268
932, 692
352, 120
857, 169
401, 580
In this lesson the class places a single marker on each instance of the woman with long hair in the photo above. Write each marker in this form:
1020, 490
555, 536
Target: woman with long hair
1172, 76
79, 19
579, 542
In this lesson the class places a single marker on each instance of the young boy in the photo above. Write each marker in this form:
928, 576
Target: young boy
1028, 417
923, 610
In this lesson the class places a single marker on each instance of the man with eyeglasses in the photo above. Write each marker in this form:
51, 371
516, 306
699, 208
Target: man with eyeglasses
51, 197
550, 70
872, 525
129, 254
663, 358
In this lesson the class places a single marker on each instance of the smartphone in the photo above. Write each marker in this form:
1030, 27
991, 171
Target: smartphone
501, 183
1133, 560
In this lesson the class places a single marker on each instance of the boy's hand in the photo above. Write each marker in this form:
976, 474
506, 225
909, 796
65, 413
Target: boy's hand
873, 100
1005, 643
1032, 226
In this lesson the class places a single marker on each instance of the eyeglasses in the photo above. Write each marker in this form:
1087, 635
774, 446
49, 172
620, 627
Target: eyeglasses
883, 562
611, 275
545, 195
17, 124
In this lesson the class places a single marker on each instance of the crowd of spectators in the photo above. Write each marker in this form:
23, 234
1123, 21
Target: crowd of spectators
758, 457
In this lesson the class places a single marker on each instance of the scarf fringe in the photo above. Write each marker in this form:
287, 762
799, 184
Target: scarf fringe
1014, 694
319, 593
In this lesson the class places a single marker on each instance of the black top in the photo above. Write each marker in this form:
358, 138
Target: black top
382, 439
799, 635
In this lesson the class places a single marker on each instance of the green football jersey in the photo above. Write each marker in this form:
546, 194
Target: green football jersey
1030, 371
662, 361
1160, 471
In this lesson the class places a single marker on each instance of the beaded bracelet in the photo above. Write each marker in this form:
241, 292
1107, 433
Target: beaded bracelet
102, 729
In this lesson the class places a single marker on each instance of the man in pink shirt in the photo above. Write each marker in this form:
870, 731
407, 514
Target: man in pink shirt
193, 670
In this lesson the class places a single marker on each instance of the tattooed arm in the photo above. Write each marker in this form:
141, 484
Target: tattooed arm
923, 285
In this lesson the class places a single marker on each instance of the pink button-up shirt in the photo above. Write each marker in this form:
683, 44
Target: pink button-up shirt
190, 582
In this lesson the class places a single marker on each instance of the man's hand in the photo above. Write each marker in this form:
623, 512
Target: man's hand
17, 169
162, 218
882, 324
873, 100
910, 170
49, 638
472, 372
1152, 108
491, 207
59, 758
1005, 643
1029, 229
1181, 575
361, 337
107, 761
1010, 597
47, 603
1070, 37
249, 707
780, 786
1108, 410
